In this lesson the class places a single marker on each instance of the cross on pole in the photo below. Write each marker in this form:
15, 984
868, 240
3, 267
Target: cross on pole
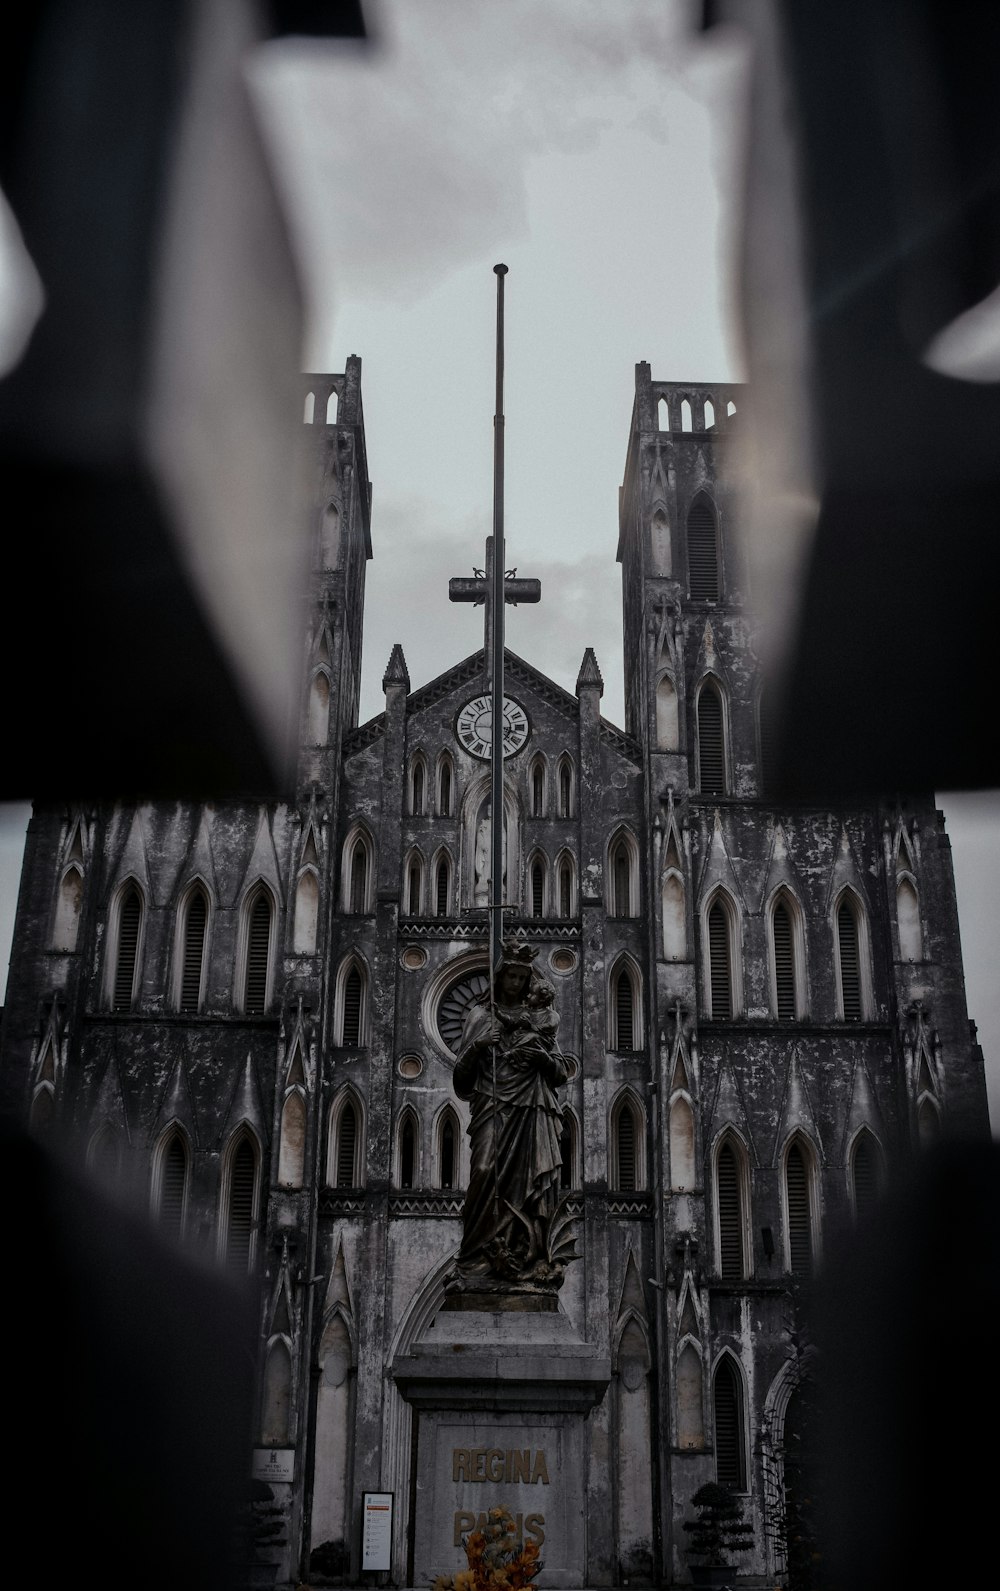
494, 587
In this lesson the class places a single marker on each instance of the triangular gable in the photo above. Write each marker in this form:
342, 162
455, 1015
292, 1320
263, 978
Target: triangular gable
846, 870
729, 1109
263, 862
245, 1104
718, 865
199, 862
632, 1299
863, 1109
796, 1112
177, 1103
132, 861
780, 870
109, 1100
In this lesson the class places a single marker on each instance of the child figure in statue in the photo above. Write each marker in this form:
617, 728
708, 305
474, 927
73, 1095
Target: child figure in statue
509, 1069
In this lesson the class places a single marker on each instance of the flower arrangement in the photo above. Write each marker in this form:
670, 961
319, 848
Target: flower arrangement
496, 1561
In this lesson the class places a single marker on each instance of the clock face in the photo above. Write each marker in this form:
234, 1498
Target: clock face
475, 726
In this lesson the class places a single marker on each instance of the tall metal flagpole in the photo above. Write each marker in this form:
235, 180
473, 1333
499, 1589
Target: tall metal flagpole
496, 599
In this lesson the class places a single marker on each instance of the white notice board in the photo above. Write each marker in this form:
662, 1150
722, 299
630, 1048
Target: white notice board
376, 1534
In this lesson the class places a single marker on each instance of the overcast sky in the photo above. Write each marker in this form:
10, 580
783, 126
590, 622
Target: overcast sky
595, 150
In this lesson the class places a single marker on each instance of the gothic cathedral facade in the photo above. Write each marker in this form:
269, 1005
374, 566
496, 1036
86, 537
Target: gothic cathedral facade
246, 1015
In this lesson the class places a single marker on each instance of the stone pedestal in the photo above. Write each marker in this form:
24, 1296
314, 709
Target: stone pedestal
501, 1402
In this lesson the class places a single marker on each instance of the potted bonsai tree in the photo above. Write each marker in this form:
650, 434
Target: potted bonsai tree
719, 1532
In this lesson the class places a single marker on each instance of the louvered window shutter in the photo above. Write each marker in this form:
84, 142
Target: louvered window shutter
866, 1177
239, 1228
258, 946
718, 955
129, 923
442, 889
537, 793
407, 1154
359, 878
784, 962
537, 889
565, 791
194, 947
173, 1180
730, 1216
626, 1146
565, 891
414, 890
850, 967
799, 1220
446, 790
352, 1007
347, 1142
624, 1012
621, 871
711, 750
448, 1154
703, 554
730, 1463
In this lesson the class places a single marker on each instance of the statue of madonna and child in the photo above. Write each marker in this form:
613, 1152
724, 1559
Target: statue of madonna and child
516, 1241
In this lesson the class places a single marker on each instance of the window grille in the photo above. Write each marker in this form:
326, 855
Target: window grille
417, 807
407, 1154
442, 888
866, 1177
730, 1215
195, 922
565, 792
414, 890
703, 553
359, 877
730, 1458
448, 1153
537, 791
624, 1012
784, 962
720, 973
711, 744
173, 1183
347, 1144
800, 1248
258, 946
129, 923
352, 1007
537, 889
850, 962
626, 1145
445, 802
239, 1223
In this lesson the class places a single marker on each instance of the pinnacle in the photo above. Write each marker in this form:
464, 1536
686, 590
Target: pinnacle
590, 673
396, 671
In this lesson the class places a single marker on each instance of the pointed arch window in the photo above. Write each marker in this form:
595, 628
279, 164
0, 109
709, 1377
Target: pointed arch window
537, 887
68, 905
417, 788
194, 926
240, 1220
306, 921
729, 1193
292, 1143
703, 552
623, 883
908, 921
627, 1168
625, 1008
129, 935
721, 931
680, 1135
566, 887
798, 1204
565, 780
407, 1151
787, 959
711, 740
357, 873
447, 1151
730, 1426
674, 917
866, 1175
414, 887
567, 1151
275, 1428
318, 726
662, 415
172, 1190
928, 1124
442, 886
445, 788
353, 989
667, 730
346, 1158
259, 915
537, 789
851, 967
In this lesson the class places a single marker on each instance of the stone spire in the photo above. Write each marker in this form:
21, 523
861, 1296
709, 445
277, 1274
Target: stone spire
396, 671
590, 674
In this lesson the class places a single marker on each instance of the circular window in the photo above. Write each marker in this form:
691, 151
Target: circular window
410, 1066
455, 1002
563, 961
413, 958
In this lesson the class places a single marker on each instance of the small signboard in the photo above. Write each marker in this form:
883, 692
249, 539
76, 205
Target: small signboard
376, 1537
273, 1463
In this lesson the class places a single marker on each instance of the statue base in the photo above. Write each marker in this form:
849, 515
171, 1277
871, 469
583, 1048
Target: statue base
503, 1303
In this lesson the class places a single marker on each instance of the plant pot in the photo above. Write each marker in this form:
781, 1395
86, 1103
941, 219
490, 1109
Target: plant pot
715, 1576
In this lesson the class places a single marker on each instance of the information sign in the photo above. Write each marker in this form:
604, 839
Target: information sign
376, 1540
